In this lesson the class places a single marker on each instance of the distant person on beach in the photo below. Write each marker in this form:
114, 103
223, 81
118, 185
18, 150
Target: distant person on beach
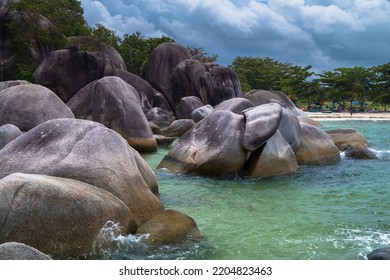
351, 111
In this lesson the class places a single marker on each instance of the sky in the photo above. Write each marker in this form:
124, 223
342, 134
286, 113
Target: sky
325, 34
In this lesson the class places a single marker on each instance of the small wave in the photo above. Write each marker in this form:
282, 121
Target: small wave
381, 153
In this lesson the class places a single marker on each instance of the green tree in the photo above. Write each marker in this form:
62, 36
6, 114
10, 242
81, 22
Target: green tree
201, 55
381, 84
135, 50
258, 73
294, 81
348, 84
66, 15
106, 35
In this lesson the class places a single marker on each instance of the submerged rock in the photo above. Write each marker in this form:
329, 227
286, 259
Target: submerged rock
359, 151
170, 228
20, 251
346, 137
60, 217
379, 254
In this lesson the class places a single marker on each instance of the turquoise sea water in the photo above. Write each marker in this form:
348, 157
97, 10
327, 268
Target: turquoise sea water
333, 212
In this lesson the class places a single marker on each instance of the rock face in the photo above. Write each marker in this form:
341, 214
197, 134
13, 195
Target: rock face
116, 104
8, 132
159, 117
170, 228
93, 45
57, 216
27, 106
218, 84
144, 89
211, 148
88, 152
211, 83
290, 128
161, 63
65, 72
276, 158
316, 147
261, 123
20, 251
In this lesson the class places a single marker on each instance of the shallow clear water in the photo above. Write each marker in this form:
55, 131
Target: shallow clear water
332, 212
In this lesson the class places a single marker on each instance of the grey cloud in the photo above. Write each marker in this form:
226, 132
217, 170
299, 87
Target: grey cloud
323, 33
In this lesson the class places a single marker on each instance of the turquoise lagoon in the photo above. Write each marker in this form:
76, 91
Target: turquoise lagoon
338, 212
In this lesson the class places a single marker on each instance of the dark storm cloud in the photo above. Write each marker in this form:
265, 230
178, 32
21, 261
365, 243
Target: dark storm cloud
323, 33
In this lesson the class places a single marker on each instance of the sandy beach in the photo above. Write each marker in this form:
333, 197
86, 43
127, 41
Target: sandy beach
346, 115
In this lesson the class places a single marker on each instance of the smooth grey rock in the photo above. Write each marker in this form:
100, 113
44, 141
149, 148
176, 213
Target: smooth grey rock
261, 123
115, 104
379, 254
186, 106
276, 158
202, 112
236, 105
178, 128
88, 152
211, 148
316, 147
290, 128
27, 106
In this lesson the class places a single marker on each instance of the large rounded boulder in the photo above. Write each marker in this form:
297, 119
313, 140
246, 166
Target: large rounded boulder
316, 147
27, 106
88, 152
57, 216
161, 63
144, 89
213, 147
186, 106
345, 138
66, 71
116, 104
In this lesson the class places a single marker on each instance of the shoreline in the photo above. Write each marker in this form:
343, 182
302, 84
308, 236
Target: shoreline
346, 115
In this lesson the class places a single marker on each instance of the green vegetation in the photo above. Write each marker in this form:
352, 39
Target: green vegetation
342, 86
